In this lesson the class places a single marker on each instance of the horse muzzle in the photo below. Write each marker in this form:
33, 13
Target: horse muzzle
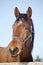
14, 52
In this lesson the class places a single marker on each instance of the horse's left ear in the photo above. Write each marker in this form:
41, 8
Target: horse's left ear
29, 12
16, 12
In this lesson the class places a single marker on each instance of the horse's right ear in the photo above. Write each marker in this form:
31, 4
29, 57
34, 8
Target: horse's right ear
16, 12
29, 12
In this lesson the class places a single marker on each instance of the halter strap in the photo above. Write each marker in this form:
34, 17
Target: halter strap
16, 37
23, 41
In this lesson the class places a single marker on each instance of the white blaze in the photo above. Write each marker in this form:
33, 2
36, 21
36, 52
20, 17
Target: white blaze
20, 22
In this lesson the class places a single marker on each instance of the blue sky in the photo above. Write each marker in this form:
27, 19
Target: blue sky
7, 18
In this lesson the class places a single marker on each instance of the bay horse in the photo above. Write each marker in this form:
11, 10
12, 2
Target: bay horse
23, 30
21, 45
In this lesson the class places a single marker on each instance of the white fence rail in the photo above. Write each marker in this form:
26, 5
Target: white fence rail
18, 63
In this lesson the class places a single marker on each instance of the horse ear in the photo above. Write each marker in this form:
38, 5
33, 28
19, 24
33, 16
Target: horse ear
29, 12
16, 12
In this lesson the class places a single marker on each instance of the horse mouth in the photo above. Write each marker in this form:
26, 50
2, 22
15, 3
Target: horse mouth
14, 55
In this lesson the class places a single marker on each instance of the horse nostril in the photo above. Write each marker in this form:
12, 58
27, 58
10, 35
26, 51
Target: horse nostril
11, 51
14, 51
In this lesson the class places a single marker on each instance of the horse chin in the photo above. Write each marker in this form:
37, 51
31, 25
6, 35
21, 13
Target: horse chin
13, 56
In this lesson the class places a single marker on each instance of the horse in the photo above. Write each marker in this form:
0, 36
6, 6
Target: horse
20, 47
23, 30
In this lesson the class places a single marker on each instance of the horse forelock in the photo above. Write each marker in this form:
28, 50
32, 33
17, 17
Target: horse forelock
22, 16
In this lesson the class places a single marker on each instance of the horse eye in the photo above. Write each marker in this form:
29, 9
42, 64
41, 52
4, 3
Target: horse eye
19, 19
